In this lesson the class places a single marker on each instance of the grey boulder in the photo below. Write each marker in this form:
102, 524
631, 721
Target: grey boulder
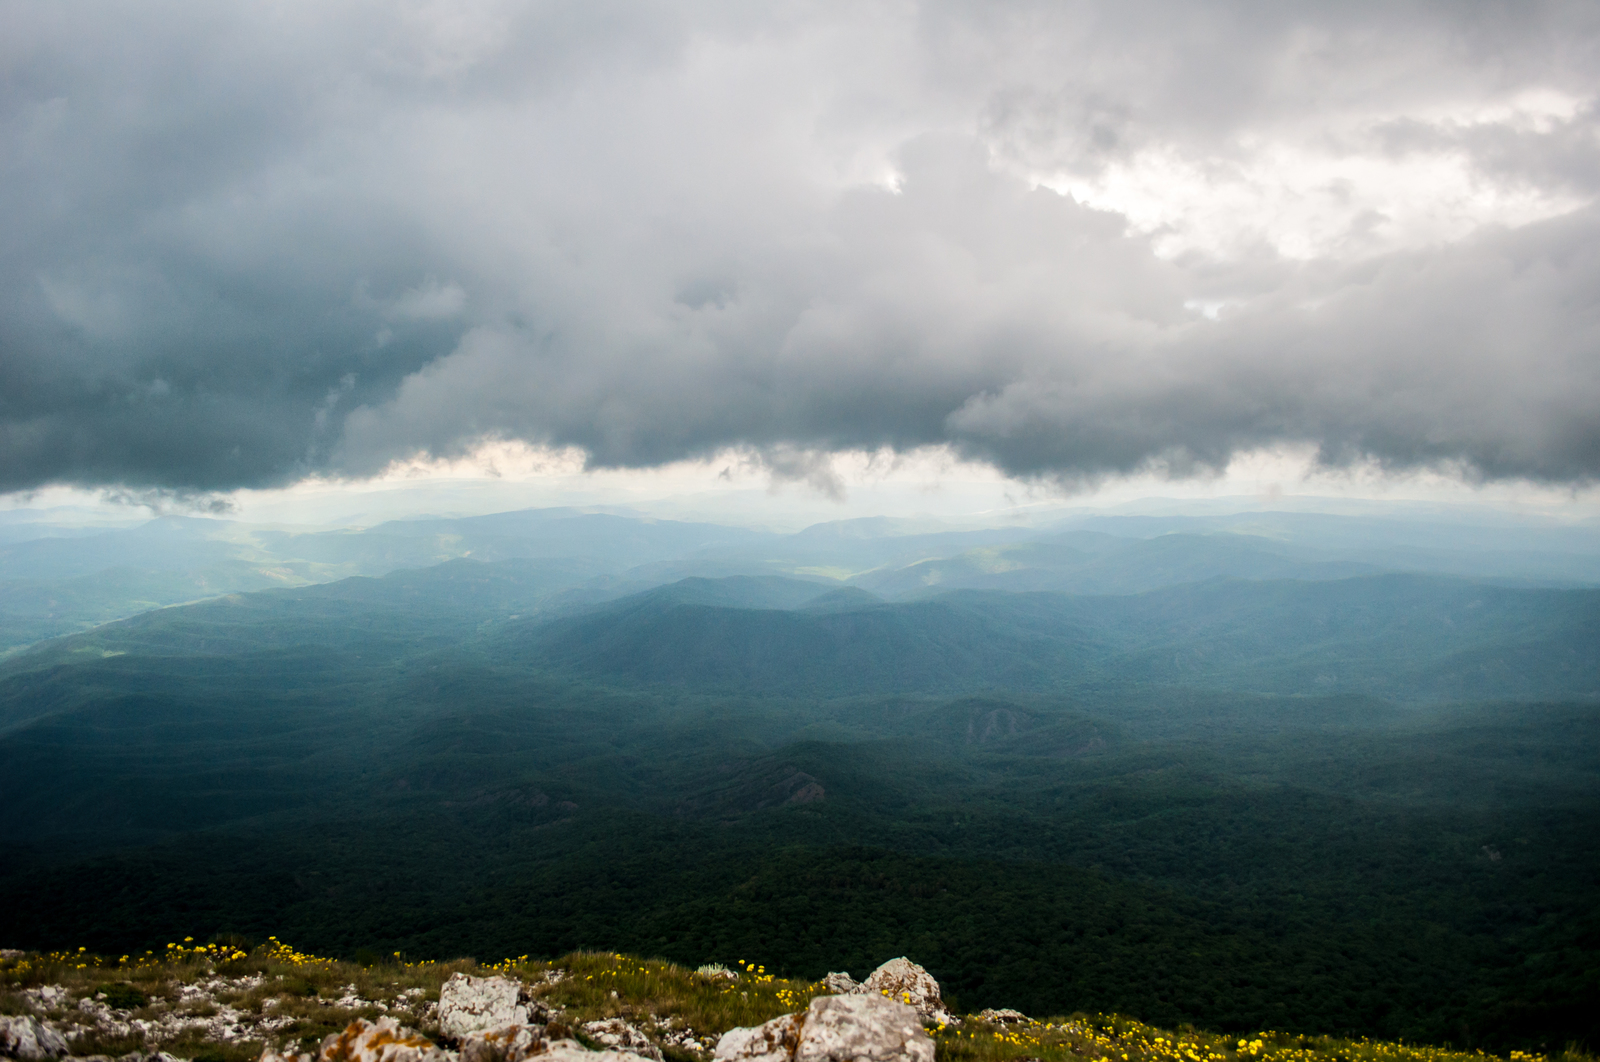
479, 1004
773, 1042
28, 1039
848, 1028
384, 1040
510, 1043
905, 982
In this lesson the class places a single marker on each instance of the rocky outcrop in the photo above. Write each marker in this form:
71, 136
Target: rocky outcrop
479, 1019
479, 1004
905, 982
1004, 1016
387, 1041
28, 1039
847, 1028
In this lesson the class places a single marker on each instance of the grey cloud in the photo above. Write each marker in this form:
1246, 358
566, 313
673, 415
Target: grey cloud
247, 245
1470, 359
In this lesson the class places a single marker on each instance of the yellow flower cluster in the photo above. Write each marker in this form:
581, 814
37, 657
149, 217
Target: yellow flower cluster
503, 966
83, 959
17, 969
754, 973
206, 952
276, 950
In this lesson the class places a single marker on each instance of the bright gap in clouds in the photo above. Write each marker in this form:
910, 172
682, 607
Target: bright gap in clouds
741, 488
1356, 188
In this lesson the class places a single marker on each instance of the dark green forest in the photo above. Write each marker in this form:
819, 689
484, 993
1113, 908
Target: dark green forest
1359, 805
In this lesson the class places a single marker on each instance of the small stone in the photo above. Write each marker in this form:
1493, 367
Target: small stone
1004, 1016
840, 984
269, 1055
478, 1004
905, 982
619, 1034
381, 1041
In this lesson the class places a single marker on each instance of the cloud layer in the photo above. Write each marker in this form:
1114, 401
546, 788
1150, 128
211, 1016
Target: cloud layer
247, 243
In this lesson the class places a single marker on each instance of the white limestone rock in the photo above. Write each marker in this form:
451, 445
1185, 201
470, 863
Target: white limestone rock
773, 1042
479, 1004
840, 984
905, 982
47, 997
847, 1028
384, 1040
619, 1034
511, 1043
862, 1028
28, 1039
1004, 1016
573, 1051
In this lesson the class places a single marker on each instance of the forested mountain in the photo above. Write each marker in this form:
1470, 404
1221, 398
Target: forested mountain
1363, 804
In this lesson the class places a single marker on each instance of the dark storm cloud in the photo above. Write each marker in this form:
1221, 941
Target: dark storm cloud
245, 244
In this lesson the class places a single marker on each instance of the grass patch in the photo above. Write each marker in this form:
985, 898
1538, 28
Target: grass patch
607, 985
197, 1049
1114, 1038
96, 1043
121, 995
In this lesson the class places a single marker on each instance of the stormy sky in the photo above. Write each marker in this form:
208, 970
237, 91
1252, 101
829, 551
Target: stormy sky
246, 244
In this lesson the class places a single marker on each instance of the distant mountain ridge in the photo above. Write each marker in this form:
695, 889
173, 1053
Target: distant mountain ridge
1409, 637
62, 580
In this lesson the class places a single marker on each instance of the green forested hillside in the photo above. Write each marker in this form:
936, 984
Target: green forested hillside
1056, 803
1407, 637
